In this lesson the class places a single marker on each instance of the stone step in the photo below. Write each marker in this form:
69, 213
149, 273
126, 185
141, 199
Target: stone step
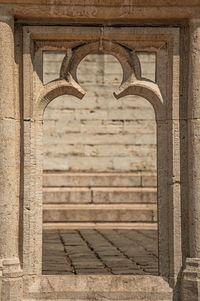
67, 179
101, 225
100, 195
124, 195
97, 287
99, 213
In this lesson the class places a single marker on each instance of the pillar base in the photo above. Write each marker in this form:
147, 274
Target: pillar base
11, 289
11, 283
191, 280
10, 267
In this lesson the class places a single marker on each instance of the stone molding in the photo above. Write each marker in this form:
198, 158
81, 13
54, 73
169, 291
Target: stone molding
103, 10
107, 3
38, 39
172, 130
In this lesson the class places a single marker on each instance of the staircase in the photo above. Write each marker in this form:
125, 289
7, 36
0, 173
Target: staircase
101, 199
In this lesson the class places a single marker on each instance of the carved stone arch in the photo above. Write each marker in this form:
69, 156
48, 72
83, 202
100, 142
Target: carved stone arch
132, 83
128, 59
170, 140
55, 89
146, 89
67, 84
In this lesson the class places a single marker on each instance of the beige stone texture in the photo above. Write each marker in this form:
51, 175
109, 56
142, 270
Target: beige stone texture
124, 195
149, 180
99, 188
119, 287
99, 213
99, 195
27, 28
101, 225
9, 191
99, 133
190, 282
132, 84
8, 125
96, 179
66, 195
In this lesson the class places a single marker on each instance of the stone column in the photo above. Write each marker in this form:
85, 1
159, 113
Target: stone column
191, 274
10, 271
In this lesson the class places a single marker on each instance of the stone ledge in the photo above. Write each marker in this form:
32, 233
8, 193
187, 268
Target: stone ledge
170, 3
124, 195
100, 195
102, 225
98, 287
100, 213
82, 179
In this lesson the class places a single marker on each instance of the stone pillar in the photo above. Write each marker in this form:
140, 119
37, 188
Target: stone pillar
10, 271
191, 274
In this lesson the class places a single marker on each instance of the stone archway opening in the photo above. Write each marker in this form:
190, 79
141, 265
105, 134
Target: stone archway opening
99, 178
21, 259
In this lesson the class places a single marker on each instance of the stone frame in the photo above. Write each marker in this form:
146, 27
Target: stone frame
165, 42
183, 126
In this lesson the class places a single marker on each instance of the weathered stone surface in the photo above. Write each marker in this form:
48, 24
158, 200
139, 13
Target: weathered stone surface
191, 281
96, 179
66, 195
126, 287
99, 213
99, 195
99, 134
149, 180
124, 195
99, 188
23, 98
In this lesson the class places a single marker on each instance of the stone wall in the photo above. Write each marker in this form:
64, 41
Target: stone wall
99, 133
99, 152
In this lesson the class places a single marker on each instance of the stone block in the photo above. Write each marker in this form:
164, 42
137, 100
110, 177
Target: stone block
121, 163
91, 179
99, 213
128, 139
149, 180
124, 195
58, 195
146, 139
122, 288
90, 163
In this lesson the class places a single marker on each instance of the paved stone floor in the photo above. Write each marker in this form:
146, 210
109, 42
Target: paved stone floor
92, 251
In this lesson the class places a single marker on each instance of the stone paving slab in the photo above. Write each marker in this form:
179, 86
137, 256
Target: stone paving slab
100, 251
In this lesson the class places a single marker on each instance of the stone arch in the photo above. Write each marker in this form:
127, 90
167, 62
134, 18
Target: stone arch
55, 89
36, 99
146, 89
127, 58
132, 83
